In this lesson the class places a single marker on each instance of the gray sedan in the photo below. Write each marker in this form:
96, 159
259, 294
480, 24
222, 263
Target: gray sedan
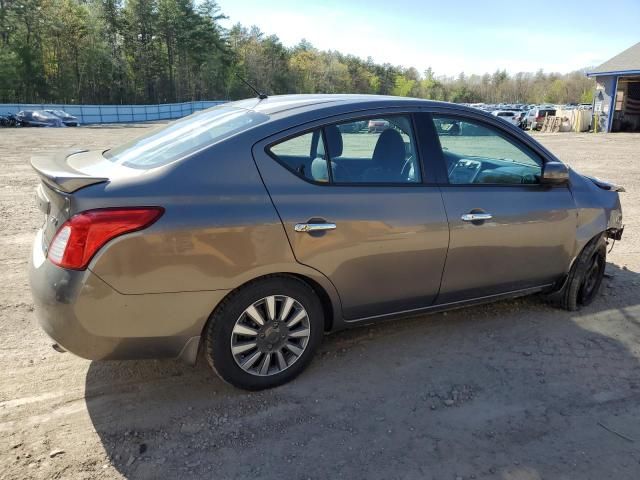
246, 231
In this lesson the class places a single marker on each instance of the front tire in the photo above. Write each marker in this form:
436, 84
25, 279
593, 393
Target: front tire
584, 280
265, 333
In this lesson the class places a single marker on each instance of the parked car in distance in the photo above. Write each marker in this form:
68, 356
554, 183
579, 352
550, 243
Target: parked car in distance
38, 118
521, 119
508, 116
377, 126
354, 127
536, 116
8, 120
248, 230
68, 120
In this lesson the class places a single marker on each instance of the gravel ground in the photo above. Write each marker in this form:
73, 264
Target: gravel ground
513, 390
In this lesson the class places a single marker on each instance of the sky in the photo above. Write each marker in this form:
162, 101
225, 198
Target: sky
451, 36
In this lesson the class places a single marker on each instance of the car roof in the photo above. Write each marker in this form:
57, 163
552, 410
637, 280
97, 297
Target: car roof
293, 104
286, 111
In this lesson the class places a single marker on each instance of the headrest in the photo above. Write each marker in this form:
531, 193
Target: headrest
319, 170
390, 149
334, 140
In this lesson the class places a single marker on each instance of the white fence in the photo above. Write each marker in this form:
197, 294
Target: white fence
88, 114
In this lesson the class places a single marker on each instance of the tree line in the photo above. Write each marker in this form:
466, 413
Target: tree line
162, 51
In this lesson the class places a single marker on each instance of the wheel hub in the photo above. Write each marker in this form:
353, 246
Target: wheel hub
272, 337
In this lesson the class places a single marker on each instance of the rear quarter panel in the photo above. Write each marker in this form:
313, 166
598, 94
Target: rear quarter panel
219, 228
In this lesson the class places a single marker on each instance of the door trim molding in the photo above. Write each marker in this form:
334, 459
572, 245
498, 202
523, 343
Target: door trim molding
451, 305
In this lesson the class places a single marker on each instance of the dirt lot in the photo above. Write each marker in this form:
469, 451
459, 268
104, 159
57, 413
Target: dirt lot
514, 390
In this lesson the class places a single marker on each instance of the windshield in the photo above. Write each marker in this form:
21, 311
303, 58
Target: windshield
183, 137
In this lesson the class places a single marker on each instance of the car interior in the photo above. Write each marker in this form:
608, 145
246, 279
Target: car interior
492, 159
473, 152
359, 156
472, 170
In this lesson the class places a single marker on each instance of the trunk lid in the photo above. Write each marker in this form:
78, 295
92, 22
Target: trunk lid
55, 206
61, 174
58, 173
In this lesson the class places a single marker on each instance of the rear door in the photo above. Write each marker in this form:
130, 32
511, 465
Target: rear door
508, 232
355, 206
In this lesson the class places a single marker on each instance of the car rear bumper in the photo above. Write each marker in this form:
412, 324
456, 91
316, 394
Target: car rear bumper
87, 317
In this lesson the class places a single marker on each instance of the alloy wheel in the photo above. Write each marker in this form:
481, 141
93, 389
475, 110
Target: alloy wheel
270, 335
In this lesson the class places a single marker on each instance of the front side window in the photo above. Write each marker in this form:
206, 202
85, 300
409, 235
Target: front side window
183, 137
476, 153
378, 150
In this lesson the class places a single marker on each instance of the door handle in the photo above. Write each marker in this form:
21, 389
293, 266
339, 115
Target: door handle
476, 217
314, 227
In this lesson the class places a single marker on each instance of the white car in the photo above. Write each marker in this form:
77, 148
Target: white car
508, 116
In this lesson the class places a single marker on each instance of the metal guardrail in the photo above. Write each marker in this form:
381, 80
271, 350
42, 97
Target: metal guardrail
93, 114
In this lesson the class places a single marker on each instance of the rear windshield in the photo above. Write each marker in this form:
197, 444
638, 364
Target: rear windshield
183, 137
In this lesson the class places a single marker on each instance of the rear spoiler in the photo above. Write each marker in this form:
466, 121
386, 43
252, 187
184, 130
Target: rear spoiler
58, 174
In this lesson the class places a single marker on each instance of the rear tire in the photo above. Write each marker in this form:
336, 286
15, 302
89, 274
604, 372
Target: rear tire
255, 356
584, 280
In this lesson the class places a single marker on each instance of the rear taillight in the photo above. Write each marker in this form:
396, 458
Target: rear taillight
80, 237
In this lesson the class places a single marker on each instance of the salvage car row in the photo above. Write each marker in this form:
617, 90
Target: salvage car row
526, 117
39, 118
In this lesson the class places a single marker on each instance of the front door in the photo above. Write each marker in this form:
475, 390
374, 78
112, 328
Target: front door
354, 207
508, 232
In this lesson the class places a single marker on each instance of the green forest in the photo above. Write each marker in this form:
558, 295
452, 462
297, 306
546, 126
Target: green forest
161, 51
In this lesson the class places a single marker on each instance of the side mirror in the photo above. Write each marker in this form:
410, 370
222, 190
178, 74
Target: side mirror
554, 173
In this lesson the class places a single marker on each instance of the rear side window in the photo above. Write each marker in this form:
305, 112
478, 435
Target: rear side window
304, 155
371, 151
183, 137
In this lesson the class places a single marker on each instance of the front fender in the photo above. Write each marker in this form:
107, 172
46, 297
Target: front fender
598, 209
